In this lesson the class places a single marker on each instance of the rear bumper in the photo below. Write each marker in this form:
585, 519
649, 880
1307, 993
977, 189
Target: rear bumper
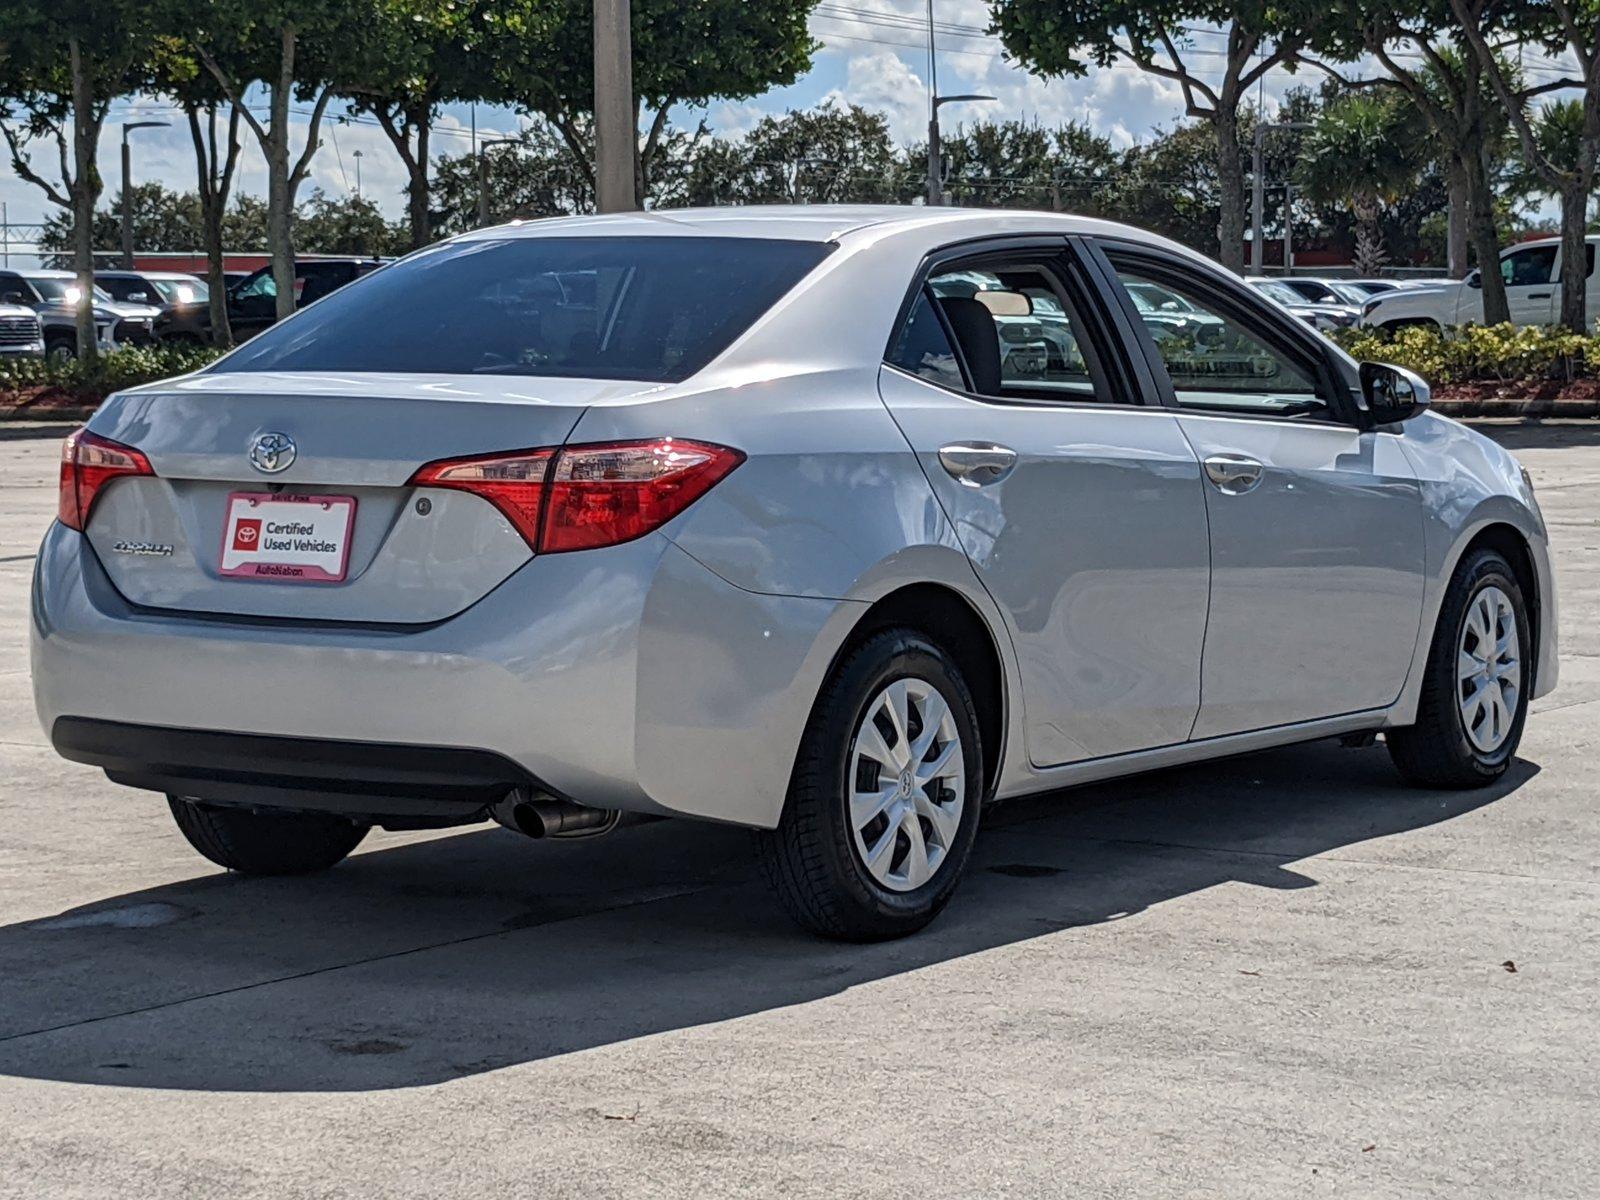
629, 678
432, 783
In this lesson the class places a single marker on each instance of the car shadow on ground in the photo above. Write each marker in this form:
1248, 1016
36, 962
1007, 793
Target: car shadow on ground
428, 961
1535, 434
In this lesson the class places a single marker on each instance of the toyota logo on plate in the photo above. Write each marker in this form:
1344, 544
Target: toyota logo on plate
272, 452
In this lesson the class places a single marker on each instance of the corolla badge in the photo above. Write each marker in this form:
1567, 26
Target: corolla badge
272, 452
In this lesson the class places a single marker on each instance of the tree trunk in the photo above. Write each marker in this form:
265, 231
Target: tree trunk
417, 168
1456, 237
280, 219
1574, 236
1369, 255
85, 190
1230, 190
1485, 239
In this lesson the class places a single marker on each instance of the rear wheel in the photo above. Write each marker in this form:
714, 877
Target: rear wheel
884, 802
265, 843
58, 351
1475, 692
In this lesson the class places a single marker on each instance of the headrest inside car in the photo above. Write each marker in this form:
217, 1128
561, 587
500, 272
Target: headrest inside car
1005, 304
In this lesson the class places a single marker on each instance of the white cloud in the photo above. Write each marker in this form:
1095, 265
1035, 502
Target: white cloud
882, 82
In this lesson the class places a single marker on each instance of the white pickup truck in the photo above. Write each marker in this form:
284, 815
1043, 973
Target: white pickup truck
1532, 271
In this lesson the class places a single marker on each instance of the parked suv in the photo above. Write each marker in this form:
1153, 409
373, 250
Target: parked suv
184, 301
53, 296
253, 304
21, 335
1532, 272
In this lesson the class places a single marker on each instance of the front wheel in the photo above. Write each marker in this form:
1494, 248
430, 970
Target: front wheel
1475, 691
265, 843
884, 802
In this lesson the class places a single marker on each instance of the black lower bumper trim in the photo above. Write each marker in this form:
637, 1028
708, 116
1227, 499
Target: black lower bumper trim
367, 778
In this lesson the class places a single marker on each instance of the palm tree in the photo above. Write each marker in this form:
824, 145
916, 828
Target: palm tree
1364, 152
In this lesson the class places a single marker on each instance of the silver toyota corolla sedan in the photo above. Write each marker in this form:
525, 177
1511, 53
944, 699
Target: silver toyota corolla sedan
836, 523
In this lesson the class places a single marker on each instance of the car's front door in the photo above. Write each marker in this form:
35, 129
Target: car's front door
1316, 526
1079, 505
1531, 288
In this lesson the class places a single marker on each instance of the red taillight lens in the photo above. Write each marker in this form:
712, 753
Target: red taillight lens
513, 483
88, 463
603, 495
584, 497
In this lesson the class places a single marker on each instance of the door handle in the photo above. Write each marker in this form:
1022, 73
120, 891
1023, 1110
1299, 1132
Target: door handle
974, 464
1233, 474
1538, 295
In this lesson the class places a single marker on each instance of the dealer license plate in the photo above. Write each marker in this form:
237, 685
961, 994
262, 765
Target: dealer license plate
287, 538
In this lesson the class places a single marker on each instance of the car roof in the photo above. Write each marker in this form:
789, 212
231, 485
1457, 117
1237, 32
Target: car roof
791, 222
42, 274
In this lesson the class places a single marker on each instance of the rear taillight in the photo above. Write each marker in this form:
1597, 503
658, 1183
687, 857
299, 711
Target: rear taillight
513, 483
584, 497
88, 463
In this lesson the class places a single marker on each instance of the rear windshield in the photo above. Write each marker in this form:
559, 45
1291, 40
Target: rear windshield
648, 308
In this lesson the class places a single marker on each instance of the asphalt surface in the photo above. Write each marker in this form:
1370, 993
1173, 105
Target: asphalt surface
1283, 975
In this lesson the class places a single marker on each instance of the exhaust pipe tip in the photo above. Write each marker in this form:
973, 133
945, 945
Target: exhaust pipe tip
548, 816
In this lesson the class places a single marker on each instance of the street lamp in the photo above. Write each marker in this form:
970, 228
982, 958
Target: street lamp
936, 151
1258, 197
483, 175
935, 101
127, 189
356, 154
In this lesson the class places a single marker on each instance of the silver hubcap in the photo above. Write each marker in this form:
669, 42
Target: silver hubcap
908, 784
1489, 670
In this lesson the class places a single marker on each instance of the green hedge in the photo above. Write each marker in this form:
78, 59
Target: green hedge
1480, 353
108, 373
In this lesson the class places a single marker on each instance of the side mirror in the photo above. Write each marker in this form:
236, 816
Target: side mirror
1393, 394
1474, 279
138, 298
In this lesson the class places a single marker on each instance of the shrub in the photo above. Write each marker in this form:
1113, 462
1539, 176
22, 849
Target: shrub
1480, 353
108, 373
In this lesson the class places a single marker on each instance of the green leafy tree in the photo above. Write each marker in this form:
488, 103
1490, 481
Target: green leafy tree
1448, 89
831, 154
61, 65
425, 53
295, 49
1364, 152
1171, 39
686, 52
1021, 164
538, 176
348, 225
1566, 152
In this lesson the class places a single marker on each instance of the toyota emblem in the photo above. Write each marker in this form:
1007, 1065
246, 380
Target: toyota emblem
272, 452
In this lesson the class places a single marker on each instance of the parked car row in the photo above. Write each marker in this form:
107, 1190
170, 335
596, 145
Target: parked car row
38, 309
1532, 272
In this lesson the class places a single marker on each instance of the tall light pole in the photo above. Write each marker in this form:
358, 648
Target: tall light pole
1258, 194
936, 149
356, 154
935, 101
127, 189
483, 175
616, 136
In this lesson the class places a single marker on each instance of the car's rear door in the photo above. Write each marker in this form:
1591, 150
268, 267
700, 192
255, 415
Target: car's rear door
1532, 290
1075, 496
1316, 525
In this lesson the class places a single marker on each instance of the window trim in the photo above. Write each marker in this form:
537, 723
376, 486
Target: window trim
1059, 256
1239, 302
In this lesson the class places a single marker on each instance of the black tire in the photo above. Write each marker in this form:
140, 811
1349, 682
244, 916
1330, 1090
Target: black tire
265, 843
810, 860
60, 350
1436, 752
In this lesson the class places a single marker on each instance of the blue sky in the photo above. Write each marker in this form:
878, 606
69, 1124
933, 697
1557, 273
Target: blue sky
873, 54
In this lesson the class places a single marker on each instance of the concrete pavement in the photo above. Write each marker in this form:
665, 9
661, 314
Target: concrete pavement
1280, 975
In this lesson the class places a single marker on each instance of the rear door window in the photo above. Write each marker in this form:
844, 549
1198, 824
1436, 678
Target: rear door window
644, 308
